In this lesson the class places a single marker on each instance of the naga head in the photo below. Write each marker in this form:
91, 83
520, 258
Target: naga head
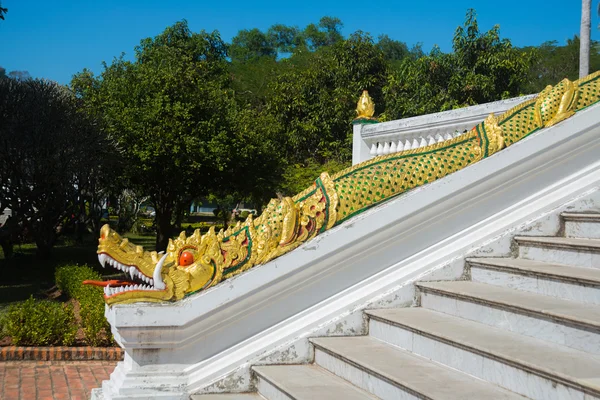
186, 266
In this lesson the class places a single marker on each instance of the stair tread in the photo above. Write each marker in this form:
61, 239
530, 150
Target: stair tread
554, 307
587, 275
576, 243
408, 370
584, 217
310, 382
561, 363
227, 396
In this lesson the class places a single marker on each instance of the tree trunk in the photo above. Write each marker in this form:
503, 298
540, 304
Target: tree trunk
44, 244
584, 42
7, 247
7, 233
44, 250
163, 227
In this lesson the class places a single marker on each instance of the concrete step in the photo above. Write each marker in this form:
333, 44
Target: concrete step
567, 282
227, 396
304, 382
582, 225
391, 373
531, 367
564, 322
576, 252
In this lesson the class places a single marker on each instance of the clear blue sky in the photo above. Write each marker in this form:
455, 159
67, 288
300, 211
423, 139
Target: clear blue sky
56, 38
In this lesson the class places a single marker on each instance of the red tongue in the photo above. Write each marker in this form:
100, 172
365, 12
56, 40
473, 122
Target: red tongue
112, 283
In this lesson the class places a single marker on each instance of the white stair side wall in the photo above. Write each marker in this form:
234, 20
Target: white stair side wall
410, 235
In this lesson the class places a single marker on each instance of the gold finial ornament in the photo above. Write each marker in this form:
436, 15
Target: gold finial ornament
365, 107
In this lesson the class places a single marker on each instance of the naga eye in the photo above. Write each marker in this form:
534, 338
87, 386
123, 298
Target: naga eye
186, 258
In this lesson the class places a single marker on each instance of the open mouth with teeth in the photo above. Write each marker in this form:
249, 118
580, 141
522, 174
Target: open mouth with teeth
145, 273
139, 281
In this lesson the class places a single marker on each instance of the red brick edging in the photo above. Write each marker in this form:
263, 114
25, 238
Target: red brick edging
59, 353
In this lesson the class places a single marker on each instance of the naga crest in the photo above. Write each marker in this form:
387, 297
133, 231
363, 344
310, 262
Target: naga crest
200, 261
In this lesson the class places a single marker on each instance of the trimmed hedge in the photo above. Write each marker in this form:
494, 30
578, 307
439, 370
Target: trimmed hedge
69, 280
40, 323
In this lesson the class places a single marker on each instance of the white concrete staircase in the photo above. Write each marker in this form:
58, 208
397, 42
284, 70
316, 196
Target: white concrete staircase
526, 327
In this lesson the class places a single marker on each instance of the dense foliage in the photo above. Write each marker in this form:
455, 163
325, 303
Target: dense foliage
69, 280
53, 160
39, 323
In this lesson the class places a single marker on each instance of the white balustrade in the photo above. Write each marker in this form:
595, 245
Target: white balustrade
371, 140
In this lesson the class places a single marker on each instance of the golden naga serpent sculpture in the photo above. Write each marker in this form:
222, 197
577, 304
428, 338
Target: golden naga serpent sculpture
200, 261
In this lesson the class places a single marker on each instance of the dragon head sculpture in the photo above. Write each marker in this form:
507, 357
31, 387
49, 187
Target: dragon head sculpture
185, 267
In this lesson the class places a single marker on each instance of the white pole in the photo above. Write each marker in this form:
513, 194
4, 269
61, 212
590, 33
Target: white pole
584, 39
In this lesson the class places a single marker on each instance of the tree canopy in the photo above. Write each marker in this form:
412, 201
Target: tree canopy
188, 116
52, 157
173, 114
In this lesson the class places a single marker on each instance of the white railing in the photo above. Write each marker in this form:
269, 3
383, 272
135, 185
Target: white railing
371, 140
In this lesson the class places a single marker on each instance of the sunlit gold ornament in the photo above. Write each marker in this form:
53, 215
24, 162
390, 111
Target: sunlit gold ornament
365, 108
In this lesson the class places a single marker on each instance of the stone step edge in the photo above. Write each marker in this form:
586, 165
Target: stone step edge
256, 371
539, 241
479, 263
61, 353
581, 217
362, 367
228, 396
510, 307
504, 360
366, 369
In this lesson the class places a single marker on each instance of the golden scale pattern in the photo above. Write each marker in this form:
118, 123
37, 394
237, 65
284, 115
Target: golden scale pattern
287, 223
384, 177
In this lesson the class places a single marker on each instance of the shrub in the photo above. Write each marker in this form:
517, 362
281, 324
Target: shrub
95, 326
40, 323
69, 280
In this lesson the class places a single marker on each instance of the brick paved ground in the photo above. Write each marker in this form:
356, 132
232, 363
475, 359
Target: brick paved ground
52, 380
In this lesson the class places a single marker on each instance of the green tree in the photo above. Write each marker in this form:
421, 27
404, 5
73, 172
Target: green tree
314, 98
19, 75
251, 80
52, 154
482, 68
488, 68
326, 33
553, 62
393, 50
286, 39
166, 110
173, 113
251, 44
